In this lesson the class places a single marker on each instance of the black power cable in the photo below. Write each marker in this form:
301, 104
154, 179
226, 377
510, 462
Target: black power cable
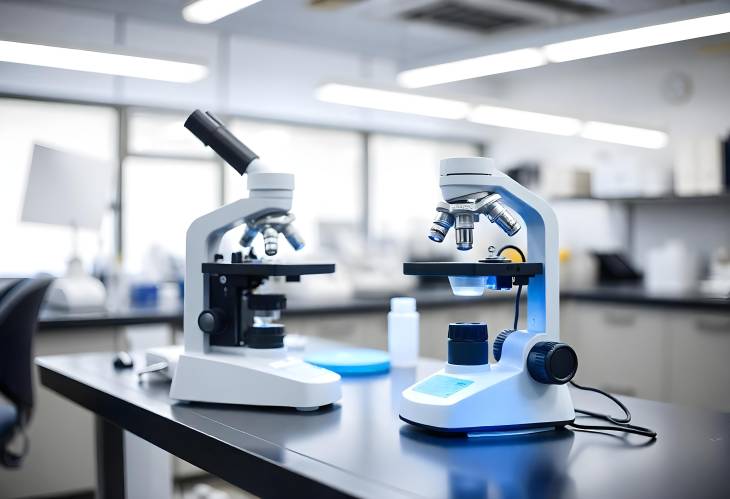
519, 287
618, 423
517, 307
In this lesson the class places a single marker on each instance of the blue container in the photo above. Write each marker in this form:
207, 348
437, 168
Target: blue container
143, 295
352, 361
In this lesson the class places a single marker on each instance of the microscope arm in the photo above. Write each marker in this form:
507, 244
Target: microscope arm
543, 295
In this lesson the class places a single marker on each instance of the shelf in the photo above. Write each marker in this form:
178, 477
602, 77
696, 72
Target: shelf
708, 199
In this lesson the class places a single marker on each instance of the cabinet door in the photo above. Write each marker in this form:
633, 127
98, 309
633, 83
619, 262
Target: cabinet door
700, 359
621, 349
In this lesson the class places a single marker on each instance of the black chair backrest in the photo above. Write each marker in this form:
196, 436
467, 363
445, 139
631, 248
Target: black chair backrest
19, 309
6, 284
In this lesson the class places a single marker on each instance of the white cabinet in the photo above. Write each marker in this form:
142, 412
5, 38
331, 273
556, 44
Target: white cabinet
700, 358
622, 349
673, 355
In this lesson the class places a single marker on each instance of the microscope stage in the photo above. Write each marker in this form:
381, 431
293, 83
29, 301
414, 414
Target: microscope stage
268, 269
523, 269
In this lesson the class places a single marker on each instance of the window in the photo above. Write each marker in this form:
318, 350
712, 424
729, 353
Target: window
169, 179
161, 198
163, 134
404, 188
84, 129
328, 168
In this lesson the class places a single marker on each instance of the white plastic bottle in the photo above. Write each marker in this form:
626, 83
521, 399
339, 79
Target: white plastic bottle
403, 332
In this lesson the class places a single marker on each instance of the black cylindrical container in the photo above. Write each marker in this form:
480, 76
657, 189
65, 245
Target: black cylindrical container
468, 343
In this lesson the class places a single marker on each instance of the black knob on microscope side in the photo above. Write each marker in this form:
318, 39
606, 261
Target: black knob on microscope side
212, 321
552, 363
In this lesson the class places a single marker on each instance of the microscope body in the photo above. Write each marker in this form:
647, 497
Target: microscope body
234, 353
524, 391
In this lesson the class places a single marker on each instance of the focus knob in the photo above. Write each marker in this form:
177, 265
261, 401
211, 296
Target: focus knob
498, 342
552, 363
212, 321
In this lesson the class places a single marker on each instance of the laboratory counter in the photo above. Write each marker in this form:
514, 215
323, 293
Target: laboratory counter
359, 448
427, 299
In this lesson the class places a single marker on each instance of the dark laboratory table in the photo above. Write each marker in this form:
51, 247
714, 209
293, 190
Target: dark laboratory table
359, 448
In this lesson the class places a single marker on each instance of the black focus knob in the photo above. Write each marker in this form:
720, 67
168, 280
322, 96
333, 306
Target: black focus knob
468, 344
212, 321
552, 363
498, 342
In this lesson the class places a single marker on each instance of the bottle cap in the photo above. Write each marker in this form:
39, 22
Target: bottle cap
403, 304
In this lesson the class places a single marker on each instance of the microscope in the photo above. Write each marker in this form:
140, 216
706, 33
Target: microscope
234, 349
525, 390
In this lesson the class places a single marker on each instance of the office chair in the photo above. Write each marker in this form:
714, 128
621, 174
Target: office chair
20, 303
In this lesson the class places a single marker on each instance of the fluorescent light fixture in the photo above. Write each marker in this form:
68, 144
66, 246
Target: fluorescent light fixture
435, 107
398, 102
472, 68
208, 11
631, 39
100, 62
627, 135
525, 120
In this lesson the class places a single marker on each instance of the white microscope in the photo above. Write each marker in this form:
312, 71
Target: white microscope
234, 351
525, 390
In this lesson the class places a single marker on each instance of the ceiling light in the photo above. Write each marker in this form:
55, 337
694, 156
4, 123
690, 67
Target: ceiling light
627, 135
525, 120
631, 39
100, 62
208, 11
472, 68
435, 107
399, 102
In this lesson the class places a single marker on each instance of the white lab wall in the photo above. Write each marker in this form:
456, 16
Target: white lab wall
625, 88
699, 227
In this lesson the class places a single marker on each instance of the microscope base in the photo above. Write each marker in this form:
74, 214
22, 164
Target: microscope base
488, 398
253, 377
489, 404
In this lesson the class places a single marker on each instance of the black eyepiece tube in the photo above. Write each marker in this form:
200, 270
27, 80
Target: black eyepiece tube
214, 134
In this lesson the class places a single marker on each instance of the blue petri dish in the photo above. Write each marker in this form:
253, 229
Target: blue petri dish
352, 361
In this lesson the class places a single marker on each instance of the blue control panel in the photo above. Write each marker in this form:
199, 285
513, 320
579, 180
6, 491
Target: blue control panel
442, 386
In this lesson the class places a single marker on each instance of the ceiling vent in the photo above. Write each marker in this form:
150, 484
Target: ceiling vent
488, 16
464, 15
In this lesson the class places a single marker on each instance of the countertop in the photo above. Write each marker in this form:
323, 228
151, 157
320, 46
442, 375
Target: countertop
359, 448
427, 299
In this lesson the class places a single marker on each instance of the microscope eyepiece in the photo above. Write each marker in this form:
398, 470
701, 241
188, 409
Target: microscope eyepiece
212, 133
